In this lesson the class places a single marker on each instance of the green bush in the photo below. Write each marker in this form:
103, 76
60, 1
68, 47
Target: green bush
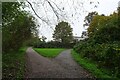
103, 44
106, 55
54, 44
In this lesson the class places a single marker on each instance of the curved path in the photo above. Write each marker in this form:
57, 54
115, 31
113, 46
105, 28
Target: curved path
63, 66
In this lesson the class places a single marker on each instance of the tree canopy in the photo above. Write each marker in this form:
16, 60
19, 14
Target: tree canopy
89, 18
63, 32
17, 26
104, 28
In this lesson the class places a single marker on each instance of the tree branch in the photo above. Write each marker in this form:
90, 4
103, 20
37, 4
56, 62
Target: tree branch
53, 9
36, 13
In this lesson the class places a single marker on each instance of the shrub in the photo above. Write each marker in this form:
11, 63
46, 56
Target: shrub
54, 44
106, 55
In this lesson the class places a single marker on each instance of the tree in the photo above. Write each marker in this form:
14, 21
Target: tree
17, 26
119, 16
43, 38
87, 21
103, 43
89, 18
63, 32
59, 11
97, 23
104, 28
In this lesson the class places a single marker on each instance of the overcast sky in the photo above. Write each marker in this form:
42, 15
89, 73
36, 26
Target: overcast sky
72, 11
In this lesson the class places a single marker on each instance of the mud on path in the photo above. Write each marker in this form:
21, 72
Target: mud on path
62, 66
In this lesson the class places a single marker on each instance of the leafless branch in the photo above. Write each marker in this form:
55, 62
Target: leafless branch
55, 12
36, 13
56, 5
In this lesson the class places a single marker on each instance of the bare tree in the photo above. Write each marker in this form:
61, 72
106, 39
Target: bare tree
51, 12
59, 11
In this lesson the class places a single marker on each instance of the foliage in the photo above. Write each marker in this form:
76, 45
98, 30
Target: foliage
53, 44
17, 26
89, 18
49, 52
90, 66
33, 41
107, 25
103, 44
63, 33
13, 65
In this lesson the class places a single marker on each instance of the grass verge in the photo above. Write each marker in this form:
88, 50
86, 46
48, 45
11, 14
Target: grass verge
49, 52
13, 64
91, 67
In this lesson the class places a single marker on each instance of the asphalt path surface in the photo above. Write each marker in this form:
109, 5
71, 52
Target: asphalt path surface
62, 66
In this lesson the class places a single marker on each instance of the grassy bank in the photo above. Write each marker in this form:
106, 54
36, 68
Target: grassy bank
92, 67
49, 52
13, 64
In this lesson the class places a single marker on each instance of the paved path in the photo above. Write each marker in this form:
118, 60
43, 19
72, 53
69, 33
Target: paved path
63, 66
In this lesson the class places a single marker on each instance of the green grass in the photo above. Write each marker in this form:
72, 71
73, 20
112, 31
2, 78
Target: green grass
13, 64
91, 67
49, 52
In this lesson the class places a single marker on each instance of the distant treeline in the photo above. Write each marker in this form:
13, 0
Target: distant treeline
54, 44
